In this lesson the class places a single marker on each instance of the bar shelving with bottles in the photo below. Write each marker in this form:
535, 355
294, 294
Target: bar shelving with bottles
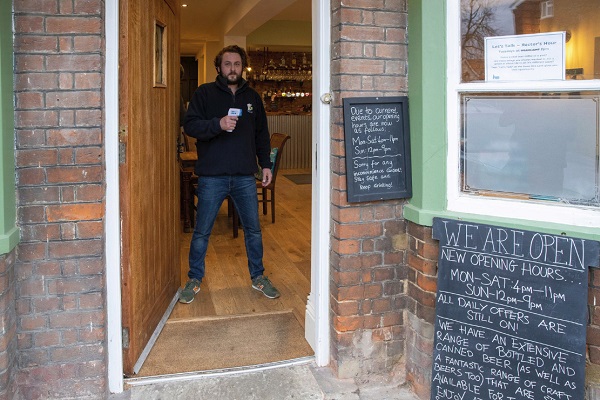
283, 79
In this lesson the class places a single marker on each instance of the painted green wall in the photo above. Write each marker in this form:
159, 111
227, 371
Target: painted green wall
282, 33
427, 102
9, 234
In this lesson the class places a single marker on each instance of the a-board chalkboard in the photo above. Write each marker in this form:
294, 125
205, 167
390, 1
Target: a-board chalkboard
511, 313
376, 132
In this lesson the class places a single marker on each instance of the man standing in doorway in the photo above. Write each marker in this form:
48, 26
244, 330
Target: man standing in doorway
228, 120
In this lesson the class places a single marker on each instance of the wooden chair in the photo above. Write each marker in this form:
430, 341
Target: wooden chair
189, 143
277, 141
186, 159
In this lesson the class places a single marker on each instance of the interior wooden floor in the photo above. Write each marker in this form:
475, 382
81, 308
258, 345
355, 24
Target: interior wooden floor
226, 288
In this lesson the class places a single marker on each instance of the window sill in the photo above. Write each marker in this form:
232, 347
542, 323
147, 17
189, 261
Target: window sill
425, 217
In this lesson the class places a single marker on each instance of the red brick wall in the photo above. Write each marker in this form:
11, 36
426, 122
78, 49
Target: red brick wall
8, 338
368, 272
60, 318
593, 329
421, 288
527, 18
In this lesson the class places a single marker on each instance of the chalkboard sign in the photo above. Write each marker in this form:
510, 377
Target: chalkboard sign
511, 313
376, 132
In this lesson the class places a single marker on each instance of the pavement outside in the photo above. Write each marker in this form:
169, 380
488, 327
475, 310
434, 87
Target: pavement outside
297, 382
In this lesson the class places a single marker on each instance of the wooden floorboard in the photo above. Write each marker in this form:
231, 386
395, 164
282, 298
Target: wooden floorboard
226, 288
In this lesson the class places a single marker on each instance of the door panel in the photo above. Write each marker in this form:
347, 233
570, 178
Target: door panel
149, 173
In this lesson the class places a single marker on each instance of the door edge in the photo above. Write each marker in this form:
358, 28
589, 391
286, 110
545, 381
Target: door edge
317, 307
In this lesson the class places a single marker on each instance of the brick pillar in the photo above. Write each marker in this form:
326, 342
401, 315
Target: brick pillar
8, 338
368, 240
421, 289
60, 192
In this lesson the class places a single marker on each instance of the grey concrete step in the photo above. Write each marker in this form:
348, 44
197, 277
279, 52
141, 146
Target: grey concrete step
296, 382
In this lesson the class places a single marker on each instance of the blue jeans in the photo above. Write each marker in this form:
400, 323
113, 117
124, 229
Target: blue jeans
211, 192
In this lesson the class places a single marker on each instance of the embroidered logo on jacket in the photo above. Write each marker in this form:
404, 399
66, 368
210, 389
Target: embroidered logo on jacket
250, 108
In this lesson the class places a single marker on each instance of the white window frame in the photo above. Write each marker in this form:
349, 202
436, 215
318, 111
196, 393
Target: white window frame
547, 9
460, 202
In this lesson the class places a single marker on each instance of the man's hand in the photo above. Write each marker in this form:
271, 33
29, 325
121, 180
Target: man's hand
267, 176
228, 123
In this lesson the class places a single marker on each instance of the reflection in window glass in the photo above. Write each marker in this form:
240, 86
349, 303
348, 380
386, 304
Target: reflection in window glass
578, 18
542, 147
547, 9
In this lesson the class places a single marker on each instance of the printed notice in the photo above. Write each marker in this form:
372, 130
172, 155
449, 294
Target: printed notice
533, 57
511, 313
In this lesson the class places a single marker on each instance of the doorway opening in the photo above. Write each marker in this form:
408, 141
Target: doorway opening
227, 309
317, 310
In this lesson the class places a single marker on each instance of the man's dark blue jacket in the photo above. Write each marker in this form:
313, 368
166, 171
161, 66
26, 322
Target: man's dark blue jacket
221, 152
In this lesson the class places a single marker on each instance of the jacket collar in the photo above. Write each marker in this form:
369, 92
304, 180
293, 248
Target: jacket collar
222, 84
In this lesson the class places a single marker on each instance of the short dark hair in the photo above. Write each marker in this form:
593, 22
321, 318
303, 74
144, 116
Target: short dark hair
232, 49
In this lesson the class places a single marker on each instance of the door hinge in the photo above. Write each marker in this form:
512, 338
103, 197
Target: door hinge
122, 145
125, 338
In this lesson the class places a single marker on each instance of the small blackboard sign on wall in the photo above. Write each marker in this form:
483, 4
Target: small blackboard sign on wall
511, 313
376, 132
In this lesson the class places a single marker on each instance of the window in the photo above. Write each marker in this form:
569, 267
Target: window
531, 146
525, 146
160, 55
547, 9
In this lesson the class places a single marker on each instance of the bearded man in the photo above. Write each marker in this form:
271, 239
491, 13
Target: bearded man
229, 122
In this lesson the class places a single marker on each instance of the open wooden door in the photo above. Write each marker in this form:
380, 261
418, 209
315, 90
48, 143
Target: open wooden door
149, 173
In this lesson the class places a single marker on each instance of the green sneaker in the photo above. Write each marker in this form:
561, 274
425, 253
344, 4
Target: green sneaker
264, 285
189, 291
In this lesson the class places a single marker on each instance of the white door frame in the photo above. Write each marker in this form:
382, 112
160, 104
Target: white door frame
317, 309
112, 234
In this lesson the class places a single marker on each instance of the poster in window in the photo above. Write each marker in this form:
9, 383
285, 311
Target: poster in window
534, 57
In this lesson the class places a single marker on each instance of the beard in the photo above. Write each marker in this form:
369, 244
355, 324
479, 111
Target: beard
232, 79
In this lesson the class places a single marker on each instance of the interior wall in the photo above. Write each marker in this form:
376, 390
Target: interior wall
281, 33
211, 51
201, 58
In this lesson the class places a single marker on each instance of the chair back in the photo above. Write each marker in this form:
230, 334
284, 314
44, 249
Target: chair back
278, 141
189, 143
